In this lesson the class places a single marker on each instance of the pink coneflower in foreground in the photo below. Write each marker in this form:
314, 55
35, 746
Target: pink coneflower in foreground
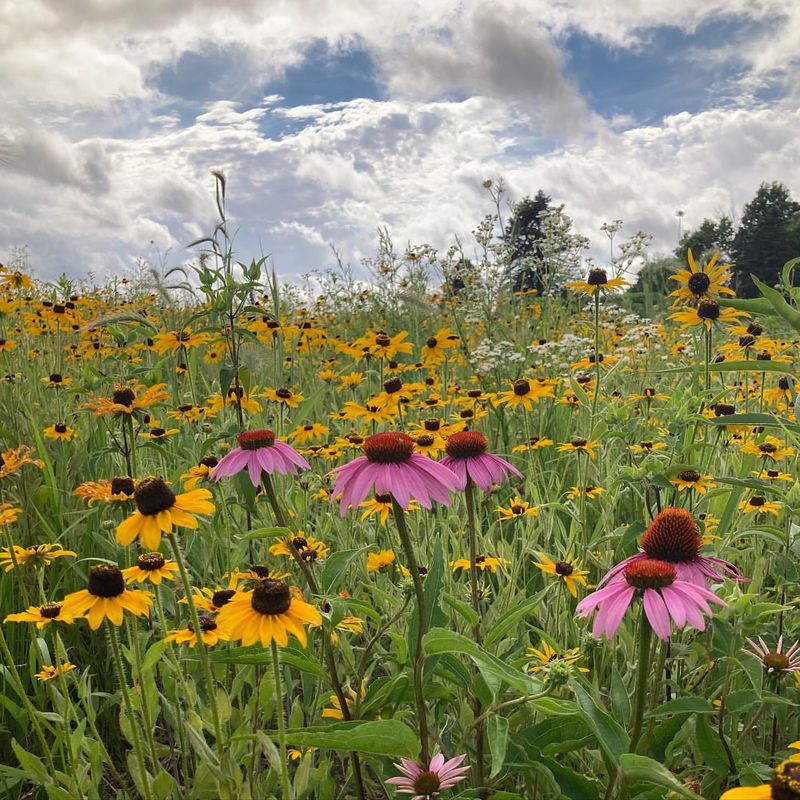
259, 451
673, 536
775, 660
427, 782
663, 595
467, 457
390, 466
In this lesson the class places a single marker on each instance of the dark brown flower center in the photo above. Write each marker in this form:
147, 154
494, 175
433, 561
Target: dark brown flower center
383, 340
50, 610
60, 427
517, 509
271, 597
784, 385
255, 440
283, 393
222, 597
185, 407
466, 444
747, 341
56, 378
426, 783
124, 397
767, 447
392, 386
577, 443
564, 569
597, 277
522, 387
755, 329
650, 574
150, 561
425, 440
157, 432
689, 475
209, 461
672, 536
757, 501
773, 473
785, 783
207, 623
153, 496
763, 356
123, 485
383, 498
431, 342
724, 410
699, 283
389, 448
708, 309
776, 661
432, 425
105, 580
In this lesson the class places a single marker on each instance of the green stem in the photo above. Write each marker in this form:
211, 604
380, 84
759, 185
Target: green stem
201, 645
126, 696
642, 680
413, 566
279, 711
147, 721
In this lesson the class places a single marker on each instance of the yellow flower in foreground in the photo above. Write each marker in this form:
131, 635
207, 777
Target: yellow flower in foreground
158, 509
212, 633
107, 598
50, 673
547, 654
785, 783
60, 431
569, 571
771, 448
379, 561
269, 613
707, 313
598, 281
517, 509
695, 283
309, 548
759, 504
116, 490
152, 568
692, 479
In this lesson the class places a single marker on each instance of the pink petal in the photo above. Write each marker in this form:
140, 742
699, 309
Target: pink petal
657, 614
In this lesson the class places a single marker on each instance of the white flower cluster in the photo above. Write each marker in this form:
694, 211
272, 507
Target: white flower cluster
562, 353
489, 355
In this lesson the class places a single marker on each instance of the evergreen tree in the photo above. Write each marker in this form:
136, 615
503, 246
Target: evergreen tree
706, 240
768, 237
523, 234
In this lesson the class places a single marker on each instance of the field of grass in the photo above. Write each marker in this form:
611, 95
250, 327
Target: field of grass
401, 625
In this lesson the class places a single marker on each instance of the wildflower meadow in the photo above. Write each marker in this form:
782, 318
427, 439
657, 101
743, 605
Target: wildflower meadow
427, 535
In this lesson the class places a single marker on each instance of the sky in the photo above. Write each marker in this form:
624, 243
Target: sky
334, 118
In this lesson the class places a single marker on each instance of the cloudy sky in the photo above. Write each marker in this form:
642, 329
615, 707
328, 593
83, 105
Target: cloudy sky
332, 118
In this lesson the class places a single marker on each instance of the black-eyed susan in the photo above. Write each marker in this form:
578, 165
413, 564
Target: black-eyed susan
49, 673
172, 341
380, 504
758, 504
60, 431
578, 445
334, 710
211, 632
589, 492
378, 562
434, 350
525, 393
517, 509
127, 399
309, 548
157, 433
646, 446
270, 612
235, 396
284, 396
106, 597
36, 556
772, 475
43, 615
13, 460
118, 490
707, 313
482, 562
598, 281
151, 568
8, 514
568, 571
694, 480
159, 509
696, 282
201, 472
351, 380
771, 448
56, 381
187, 413
533, 443
310, 432
546, 654
783, 785
648, 395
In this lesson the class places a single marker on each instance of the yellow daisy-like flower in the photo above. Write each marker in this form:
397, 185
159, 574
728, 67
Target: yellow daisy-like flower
201, 472
758, 504
7, 345
309, 548
43, 615
187, 413
785, 783
268, 613
771, 448
598, 281
303, 434
534, 443
284, 396
56, 381
580, 446
247, 401
590, 492
525, 393
106, 597
159, 509
212, 633
692, 479
13, 460
50, 673
568, 571
379, 561
646, 447
517, 509
172, 341
647, 395
151, 568
159, 433
8, 513
36, 556
772, 475
60, 431
117, 490
350, 380
433, 352
546, 654
335, 709
707, 313
381, 505
696, 283
127, 399
481, 562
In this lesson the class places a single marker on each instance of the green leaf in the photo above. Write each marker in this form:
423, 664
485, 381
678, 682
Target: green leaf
711, 748
682, 705
495, 672
465, 610
32, 764
497, 732
335, 568
641, 769
432, 590
620, 702
266, 533
610, 735
510, 619
778, 303
384, 737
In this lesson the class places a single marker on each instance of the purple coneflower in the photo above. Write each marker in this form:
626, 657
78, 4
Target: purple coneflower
391, 466
427, 782
664, 596
775, 660
673, 536
259, 451
467, 457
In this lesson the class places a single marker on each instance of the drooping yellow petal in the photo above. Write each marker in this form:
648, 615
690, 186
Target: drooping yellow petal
130, 528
